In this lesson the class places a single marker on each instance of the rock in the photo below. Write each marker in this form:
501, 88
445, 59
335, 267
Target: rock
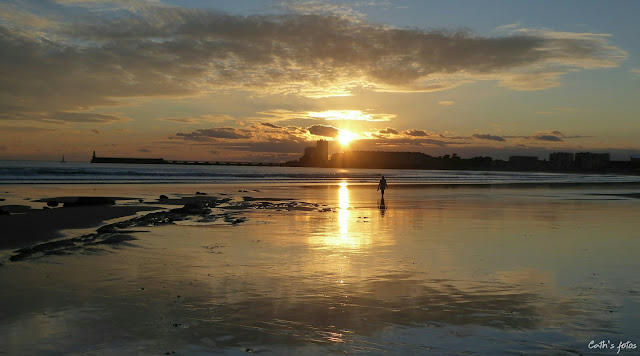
193, 209
52, 203
90, 201
163, 197
200, 193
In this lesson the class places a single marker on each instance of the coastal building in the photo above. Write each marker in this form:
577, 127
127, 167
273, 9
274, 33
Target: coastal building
378, 159
317, 156
322, 151
561, 160
591, 161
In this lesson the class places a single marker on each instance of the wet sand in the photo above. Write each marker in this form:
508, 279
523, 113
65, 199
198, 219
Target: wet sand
329, 269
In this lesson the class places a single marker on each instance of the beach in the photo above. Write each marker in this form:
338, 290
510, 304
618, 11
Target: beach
327, 268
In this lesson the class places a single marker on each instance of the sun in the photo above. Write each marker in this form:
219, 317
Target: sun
345, 137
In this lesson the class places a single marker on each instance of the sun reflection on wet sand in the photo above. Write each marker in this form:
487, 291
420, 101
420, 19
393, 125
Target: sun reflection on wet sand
343, 214
348, 231
454, 273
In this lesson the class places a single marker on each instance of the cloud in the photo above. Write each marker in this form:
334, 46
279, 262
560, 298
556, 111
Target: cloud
509, 27
446, 102
181, 120
267, 124
388, 131
97, 132
144, 150
553, 136
635, 71
354, 115
207, 134
106, 57
411, 142
61, 117
4, 128
323, 130
488, 137
414, 132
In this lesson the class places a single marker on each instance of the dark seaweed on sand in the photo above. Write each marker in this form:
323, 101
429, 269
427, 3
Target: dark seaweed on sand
118, 234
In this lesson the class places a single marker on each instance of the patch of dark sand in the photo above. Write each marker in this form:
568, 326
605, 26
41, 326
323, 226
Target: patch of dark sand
265, 199
196, 199
625, 195
19, 230
266, 204
71, 199
17, 209
116, 234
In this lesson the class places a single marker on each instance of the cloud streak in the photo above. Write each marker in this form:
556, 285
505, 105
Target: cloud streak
208, 134
488, 137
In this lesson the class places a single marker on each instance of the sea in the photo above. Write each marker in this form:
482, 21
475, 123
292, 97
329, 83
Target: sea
43, 172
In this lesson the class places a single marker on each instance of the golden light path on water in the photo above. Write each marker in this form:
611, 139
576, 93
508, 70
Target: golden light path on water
346, 231
343, 215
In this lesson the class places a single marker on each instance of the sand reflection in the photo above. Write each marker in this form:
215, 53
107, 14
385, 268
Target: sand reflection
350, 230
343, 214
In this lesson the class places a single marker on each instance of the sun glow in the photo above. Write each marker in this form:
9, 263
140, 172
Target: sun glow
345, 137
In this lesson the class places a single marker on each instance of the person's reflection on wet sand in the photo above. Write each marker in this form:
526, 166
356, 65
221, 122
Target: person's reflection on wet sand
382, 207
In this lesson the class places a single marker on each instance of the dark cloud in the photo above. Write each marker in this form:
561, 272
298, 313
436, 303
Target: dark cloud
418, 133
97, 132
221, 132
267, 124
323, 130
167, 51
388, 131
488, 137
548, 138
144, 150
553, 136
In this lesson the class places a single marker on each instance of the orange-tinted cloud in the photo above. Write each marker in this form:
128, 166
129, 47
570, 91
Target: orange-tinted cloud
158, 51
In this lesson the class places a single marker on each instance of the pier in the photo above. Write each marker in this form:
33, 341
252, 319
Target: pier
224, 163
133, 160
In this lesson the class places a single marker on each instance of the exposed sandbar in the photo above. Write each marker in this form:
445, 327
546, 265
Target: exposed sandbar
19, 230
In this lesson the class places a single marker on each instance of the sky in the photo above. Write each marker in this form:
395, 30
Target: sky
251, 80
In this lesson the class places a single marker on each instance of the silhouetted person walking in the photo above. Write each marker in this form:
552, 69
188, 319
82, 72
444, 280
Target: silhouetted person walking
382, 185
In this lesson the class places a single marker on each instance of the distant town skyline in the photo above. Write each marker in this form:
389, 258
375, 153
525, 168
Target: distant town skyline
262, 80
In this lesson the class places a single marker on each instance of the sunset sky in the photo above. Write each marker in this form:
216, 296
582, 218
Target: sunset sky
261, 80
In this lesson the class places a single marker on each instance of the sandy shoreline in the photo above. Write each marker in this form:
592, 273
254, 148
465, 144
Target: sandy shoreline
20, 230
26, 225
327, 269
